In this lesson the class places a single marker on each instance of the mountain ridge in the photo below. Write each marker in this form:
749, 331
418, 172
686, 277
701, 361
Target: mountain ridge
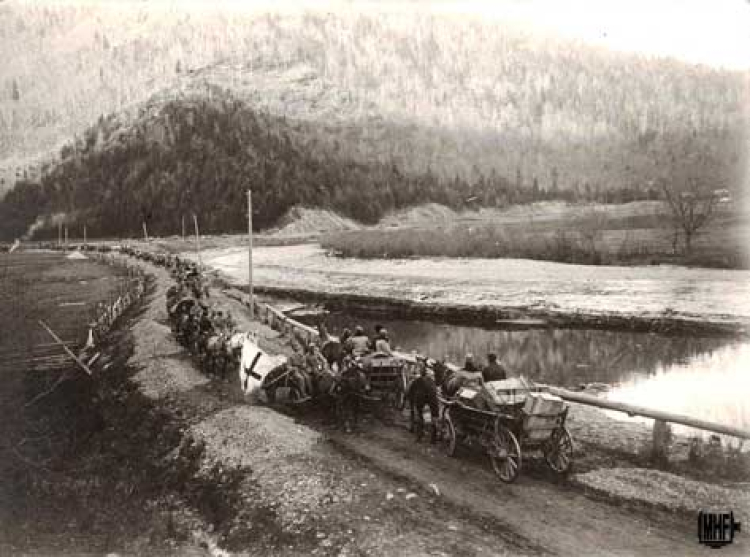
463, 88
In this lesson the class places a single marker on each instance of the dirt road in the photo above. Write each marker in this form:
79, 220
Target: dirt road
300, 476
558, 518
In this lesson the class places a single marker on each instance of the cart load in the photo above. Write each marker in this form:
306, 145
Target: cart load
494, 396
504, 417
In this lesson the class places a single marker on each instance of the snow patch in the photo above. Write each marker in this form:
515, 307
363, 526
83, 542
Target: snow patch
301, 220
76, 255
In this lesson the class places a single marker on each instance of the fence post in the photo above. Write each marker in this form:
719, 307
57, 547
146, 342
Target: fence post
662, 436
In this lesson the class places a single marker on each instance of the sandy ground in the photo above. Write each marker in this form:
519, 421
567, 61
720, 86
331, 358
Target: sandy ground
705, 294
308, 489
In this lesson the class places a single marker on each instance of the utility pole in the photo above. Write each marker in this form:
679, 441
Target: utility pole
250, 251
183, 228
145, 231
66, 237
85, 243
197, 239
59, 234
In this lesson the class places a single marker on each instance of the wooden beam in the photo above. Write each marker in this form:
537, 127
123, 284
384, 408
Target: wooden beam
634, 410
82, 365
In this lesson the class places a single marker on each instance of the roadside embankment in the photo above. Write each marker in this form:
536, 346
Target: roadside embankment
516, 318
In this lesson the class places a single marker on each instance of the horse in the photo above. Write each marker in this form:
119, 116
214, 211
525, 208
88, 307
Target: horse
449, 379
216, 353
256, 365
233, 347
331, 348
288, 376
350, 385
420, 393
174, 294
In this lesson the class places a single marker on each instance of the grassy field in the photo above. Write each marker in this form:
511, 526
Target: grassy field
46, 424
588, 237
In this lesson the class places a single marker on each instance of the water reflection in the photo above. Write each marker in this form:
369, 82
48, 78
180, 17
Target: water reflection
705, 378
714, 386
565, 357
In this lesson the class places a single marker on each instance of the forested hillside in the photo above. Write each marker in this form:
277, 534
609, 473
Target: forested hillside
434, 94
201, 154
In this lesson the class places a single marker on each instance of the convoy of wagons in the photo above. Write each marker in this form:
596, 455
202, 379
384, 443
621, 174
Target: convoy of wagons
523, 417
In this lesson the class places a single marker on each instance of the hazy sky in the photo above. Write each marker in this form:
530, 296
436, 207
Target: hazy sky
714, 32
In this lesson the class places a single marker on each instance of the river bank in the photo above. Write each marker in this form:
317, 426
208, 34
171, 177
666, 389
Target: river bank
502, 293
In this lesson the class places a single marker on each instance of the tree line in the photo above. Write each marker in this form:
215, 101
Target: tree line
200, 155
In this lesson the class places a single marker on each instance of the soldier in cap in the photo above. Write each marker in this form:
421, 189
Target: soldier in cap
382, 343
494, 370
469, 364
360, 344
378, 329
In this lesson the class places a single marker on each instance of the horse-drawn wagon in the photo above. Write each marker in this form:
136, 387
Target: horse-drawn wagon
388, 378
524, 417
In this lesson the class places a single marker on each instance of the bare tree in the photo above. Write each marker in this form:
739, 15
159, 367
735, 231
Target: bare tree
591, 226
692, 208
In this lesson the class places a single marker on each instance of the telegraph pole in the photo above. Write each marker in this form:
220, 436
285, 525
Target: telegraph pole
66, 237
197, 239
59, 234
85, 243
250, 251
145, 231
183, 228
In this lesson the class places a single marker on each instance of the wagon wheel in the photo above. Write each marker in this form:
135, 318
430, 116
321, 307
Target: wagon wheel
505, 454
447, 434
558, 451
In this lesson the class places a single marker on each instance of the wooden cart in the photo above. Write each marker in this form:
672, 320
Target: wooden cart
387, 376
505, 433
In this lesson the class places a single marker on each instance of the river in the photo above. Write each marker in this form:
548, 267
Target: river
705, 377
696, 293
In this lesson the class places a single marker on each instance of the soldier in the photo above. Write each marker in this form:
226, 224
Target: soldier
299, 377
373, 342
382, 343
494, 370
315, 362
469, 364
359, 344
229, 323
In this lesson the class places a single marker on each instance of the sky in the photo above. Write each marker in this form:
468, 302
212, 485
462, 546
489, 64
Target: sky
712, 32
